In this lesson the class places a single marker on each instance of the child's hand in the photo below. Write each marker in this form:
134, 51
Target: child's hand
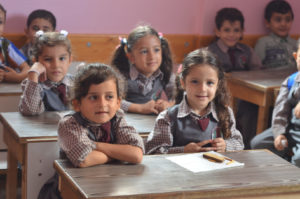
2, 74
297, 110
198, 147
9, 73
280, 142
37, 72
219, 144
148, 108
161, 105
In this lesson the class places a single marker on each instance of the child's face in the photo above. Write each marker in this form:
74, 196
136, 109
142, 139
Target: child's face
146, 55
56, 60
200, 84
2, 22
101, 103
230, 32
280, 24
36, 25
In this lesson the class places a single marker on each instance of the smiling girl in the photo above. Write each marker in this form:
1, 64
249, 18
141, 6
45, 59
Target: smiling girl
203, 121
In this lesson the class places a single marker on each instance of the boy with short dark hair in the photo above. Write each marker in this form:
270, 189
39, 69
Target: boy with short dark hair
232, 54
13, 66
37, 20
276, 49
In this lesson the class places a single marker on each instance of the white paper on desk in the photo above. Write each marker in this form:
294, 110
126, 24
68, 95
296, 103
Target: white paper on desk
196, 163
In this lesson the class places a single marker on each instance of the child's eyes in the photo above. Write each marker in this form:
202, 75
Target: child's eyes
194, 81
109, 97
62, 58
143, 51
35, 28
237, 30
210, 83
157, 50
46, 59
93, 97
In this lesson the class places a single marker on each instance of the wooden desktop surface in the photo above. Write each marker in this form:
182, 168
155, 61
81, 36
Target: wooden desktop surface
258, 88
264, 174
21, 131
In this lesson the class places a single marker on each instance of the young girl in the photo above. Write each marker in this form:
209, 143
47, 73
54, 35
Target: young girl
145, 60
47, 85
203, 121
98, 133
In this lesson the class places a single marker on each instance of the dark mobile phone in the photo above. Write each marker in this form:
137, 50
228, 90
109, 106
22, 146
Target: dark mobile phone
207, 145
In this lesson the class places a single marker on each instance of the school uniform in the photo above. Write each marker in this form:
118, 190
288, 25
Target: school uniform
10, 55
275, 51
27, 51
45, 96
179, 125
239, 57
141, 89
77, 135
283, 122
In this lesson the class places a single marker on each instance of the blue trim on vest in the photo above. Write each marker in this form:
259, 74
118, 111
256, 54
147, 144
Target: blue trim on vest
291, 80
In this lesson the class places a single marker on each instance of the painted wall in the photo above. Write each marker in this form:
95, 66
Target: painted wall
120, 16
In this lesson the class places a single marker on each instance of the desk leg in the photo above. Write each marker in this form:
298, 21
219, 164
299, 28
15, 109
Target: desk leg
11, 178
262, 120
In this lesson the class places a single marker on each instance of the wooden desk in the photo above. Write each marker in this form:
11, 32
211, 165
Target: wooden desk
258, 88
9, 99
32, 141
264, 175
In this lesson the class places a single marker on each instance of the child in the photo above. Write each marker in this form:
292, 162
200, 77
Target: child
13, 66
97, 133
37, 20
203, 121
284, 135
145, 60
47, 85
276, 49
232, 54
84, 136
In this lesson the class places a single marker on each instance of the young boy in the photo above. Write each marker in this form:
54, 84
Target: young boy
229, 31
235, 56
37, 20
283, 138
13, 66
276, 49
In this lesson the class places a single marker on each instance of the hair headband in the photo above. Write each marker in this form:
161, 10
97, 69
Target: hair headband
40, 33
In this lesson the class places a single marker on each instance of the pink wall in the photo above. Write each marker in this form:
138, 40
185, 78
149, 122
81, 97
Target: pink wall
120, 16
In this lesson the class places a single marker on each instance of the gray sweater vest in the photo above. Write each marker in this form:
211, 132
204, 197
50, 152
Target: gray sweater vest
135, 95
52, 101
242, 57
186, 130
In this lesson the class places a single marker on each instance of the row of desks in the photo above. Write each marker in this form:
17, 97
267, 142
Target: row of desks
26, 136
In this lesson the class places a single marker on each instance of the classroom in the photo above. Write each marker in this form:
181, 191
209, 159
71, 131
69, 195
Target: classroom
146, 144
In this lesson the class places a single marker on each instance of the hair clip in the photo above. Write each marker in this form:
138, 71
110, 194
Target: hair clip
64, 33
123, 41
39, 33
160, 35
